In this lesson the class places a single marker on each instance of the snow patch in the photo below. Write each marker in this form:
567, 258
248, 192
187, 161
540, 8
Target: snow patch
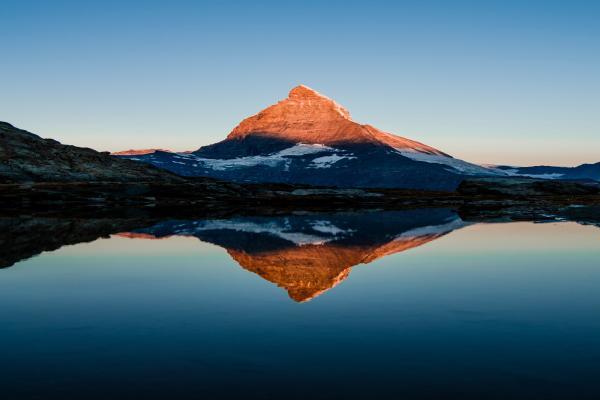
515, 172
328, 227
270, 160
312, 232
458, 165
449, 226
327, 161
302, 149
275, 228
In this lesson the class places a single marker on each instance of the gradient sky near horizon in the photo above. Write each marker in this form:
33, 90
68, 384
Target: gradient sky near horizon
506, 82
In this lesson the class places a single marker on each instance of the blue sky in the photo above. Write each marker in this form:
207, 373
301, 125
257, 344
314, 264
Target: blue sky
514, 82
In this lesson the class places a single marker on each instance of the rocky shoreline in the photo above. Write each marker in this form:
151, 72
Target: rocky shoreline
479, 192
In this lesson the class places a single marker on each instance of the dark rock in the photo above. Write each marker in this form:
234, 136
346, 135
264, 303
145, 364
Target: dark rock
25, 157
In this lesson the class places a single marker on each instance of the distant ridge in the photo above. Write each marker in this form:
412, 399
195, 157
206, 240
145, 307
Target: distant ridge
132, 152
580, 172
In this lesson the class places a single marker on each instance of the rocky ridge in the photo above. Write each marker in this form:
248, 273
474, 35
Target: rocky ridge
25, 157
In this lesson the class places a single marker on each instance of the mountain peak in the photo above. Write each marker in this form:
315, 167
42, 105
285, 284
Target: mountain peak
307, 116
309, 98
304, 92
138, 152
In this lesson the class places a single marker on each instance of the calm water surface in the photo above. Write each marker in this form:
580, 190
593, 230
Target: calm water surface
413, 304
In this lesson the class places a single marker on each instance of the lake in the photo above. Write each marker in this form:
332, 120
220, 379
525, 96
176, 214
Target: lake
380, 304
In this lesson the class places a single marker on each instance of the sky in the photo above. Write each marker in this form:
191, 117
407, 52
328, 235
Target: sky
499, 82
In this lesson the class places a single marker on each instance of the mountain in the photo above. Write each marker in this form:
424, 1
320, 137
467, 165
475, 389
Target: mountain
308, 138
25, 157
308, 254
581, 172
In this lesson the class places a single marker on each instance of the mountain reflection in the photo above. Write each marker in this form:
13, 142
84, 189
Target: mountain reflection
308, 254
305, 253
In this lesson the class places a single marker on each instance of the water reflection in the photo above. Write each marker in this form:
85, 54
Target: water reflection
308, 254
488, 311
304, 253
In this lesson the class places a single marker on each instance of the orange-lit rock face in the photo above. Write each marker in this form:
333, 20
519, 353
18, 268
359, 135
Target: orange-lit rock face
305, 272
306, 116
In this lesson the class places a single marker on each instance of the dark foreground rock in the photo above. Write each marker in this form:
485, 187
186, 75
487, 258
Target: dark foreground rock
25, 157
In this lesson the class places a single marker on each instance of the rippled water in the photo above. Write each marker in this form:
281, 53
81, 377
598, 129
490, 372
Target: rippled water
413, 304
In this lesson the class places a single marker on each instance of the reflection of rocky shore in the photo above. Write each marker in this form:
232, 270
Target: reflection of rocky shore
25, 237
311, 253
